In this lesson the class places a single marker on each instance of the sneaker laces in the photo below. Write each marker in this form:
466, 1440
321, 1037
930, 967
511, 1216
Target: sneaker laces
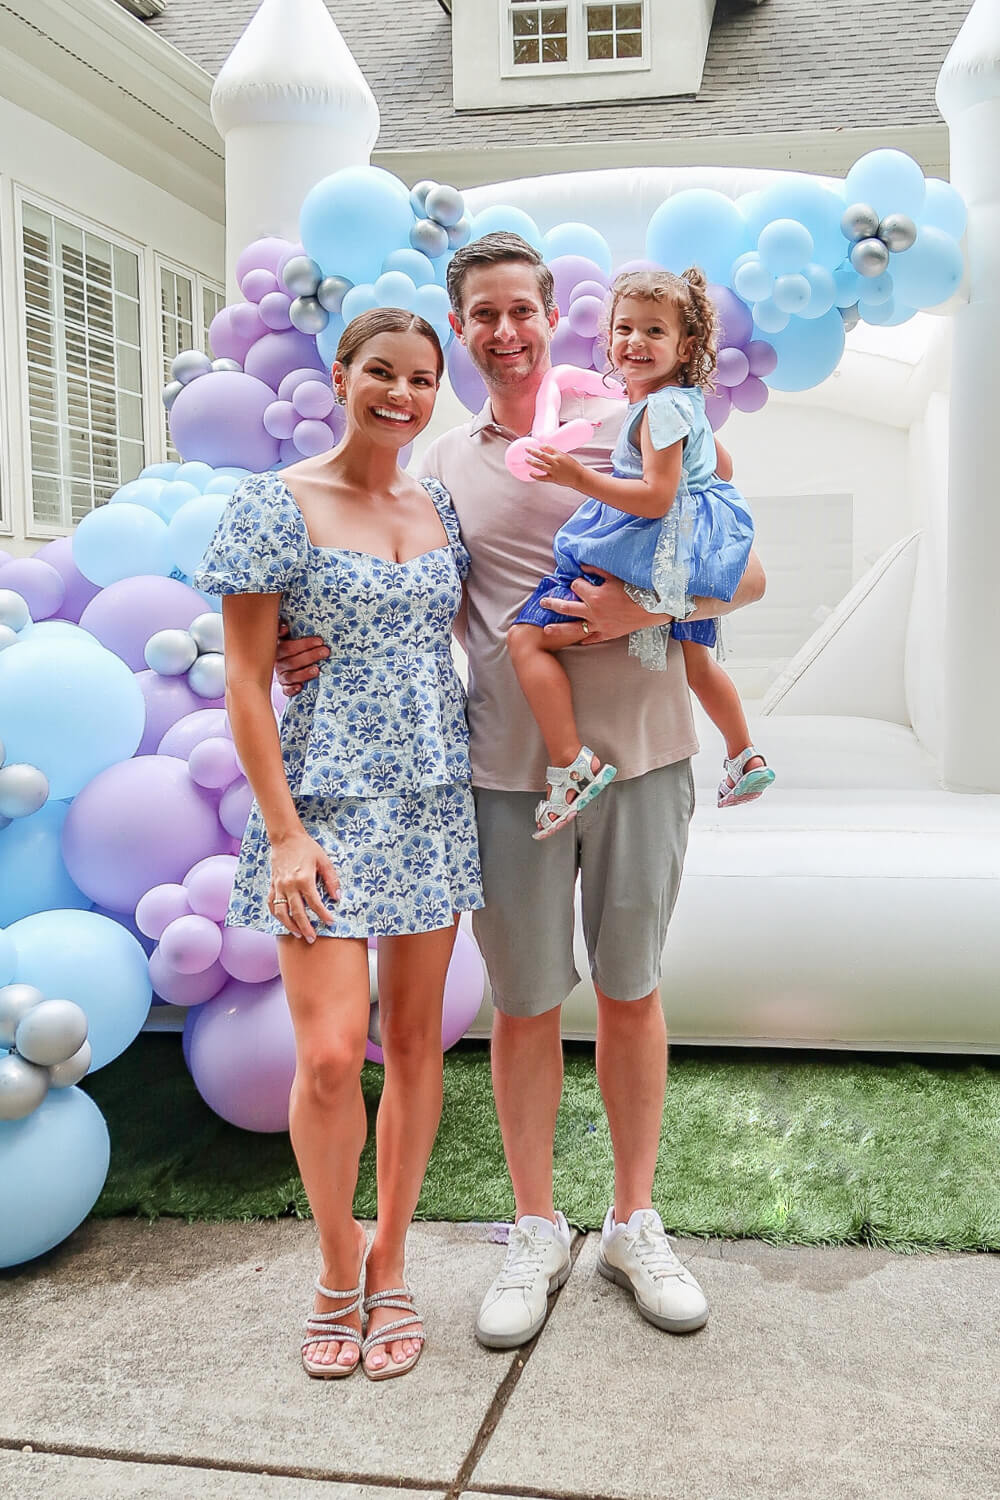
525, 1251
654, 1252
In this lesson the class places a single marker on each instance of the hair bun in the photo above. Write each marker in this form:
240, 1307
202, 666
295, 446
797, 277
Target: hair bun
694, 276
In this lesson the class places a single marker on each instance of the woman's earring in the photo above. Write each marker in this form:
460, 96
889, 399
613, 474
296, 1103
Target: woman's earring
338, 396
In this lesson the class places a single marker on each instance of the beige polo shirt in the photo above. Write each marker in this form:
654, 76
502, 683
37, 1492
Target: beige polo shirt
636, 718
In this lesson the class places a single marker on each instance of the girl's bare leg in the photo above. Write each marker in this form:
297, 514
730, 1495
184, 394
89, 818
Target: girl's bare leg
411, 976
546, 686
716, 692
327, 987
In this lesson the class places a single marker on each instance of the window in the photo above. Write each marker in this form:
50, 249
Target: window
188, 304
573, 36
83, 356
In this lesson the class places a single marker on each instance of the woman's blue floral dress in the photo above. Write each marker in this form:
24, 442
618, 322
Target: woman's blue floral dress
375, 747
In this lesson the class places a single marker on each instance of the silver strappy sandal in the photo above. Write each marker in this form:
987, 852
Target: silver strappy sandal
556, 810
400, 1298
739, 785
324, 1328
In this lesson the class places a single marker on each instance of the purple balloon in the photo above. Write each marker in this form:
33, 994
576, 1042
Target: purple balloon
718, 405
588, 289
234, 809
291, 382
466, 381
78, 590
124, 615
636, 265
225, 341
735, 318
750, 395
733, 367
585, 315
40, 585
214, 763
273, 311
265, 254
463, 990
313, 399
181, 738
313, 438
275, 356
762, 356
258, 284
159, 907
288, 453
140, 823
241, 1053
220, 419
190, 945
209, 886
248, 955
568, 271
568, 348
281, 419
184, 989
247, 324
168, 699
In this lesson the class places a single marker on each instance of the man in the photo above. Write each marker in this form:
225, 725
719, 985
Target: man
628, 849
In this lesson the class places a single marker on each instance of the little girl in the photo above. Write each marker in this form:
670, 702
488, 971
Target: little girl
668, 523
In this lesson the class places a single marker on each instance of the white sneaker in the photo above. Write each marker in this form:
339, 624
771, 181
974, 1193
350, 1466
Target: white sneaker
537, 1264
638, 1255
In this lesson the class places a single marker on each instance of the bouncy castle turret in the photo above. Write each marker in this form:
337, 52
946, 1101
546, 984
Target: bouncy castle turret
292, 106
968, 95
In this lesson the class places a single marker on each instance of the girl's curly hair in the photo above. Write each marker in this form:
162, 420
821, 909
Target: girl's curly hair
689, 294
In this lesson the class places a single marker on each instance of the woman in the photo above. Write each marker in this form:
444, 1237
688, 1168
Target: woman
363, 821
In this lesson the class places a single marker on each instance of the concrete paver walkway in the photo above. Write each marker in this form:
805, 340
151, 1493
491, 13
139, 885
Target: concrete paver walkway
161, 1360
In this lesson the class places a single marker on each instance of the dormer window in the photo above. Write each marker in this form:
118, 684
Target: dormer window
572, 36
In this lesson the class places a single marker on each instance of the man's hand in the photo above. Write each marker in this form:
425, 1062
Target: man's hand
558, 468
297, 660
601, 612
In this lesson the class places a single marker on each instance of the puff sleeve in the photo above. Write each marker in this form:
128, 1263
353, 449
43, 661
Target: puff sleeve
259, 544
669, 416
449, 520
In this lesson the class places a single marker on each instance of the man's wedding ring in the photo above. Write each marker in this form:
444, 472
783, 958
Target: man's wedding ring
279, 901
586, 627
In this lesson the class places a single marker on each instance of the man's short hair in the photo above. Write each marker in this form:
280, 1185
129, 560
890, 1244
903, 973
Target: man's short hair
494, 250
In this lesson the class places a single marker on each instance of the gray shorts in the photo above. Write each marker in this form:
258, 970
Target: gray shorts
628, 849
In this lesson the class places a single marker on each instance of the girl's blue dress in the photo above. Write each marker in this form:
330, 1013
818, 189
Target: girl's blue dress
699, 549
376, 746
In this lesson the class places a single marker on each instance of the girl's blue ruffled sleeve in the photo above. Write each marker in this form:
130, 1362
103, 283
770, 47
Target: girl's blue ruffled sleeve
260, 543
669, 416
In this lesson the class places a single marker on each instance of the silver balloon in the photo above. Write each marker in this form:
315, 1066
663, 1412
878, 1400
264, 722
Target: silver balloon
859, 222
331, 292
171, 652
170, 394
897, 231
418, 195
206, 631
189, 364
458, 234
445, 205
15, 1002
23, 790
63, 1075
851, 317
227, 366
869, 257
308, 315
51, 1032
23, 1086
429, 237
8, 637
207, 677
302, 276
14, 613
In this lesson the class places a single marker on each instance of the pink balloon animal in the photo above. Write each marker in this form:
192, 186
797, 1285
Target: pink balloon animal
557, 382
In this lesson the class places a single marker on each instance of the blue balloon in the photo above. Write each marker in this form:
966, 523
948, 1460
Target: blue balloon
791, 292
578, 239
192, 528
810, 204
822, 291
889, 180
175, 494
501, 216
413, 264
159, 471
848, 285
223, 484
328, 340
71, 708
352, 220
54, 1165
360, 299
875, 289
58, 630
91, 960
433, 304
698, 227
394, 289
943, 208
7, 959
146, 490
234, 469
888, 314
769, 318
33, 876
930, 271
752, 280
807, 352
121, 541
785, 246
195, 472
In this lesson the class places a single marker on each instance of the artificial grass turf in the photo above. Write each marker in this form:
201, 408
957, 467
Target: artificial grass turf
788, 1147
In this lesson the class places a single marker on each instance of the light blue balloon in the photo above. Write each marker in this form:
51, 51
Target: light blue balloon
69, 708
791, 292
698, 227
175, 494
93, 961
223, 484
195, 472
352, 220
807, 352
33, 876
809, 203
235, 470
880, 314
847, 286
875, 290
54, 1165
159, 471
121, 541
142, 491
7, 959
433, 304
192, 528
785, 246
58, 630
501, 216
891, 181
394, 289
944, 208
328, 340
822, 291
360, 299
752, 280
413, 264
890, 314
578, 239
930, 271
769, 318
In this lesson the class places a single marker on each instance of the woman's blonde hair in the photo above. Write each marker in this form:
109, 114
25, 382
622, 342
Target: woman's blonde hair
689, 294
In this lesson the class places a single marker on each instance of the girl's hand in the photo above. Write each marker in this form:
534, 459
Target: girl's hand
558, 468
298, 864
